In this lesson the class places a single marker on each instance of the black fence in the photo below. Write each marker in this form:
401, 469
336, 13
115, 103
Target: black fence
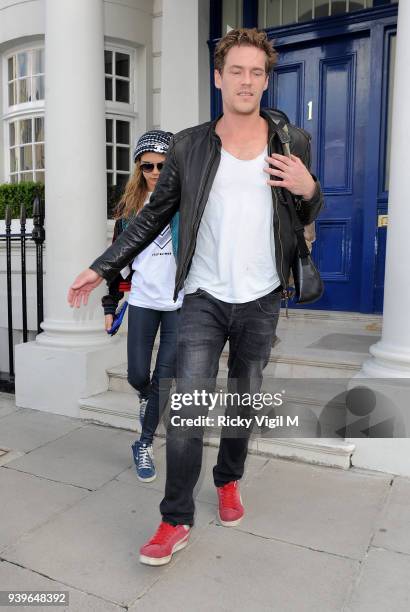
37, 235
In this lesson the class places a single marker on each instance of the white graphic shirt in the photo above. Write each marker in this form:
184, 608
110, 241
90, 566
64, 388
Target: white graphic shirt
153, 279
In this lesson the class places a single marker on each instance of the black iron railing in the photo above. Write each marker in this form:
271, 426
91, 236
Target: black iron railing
38, 236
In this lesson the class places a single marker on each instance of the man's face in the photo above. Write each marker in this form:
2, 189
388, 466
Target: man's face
243, 79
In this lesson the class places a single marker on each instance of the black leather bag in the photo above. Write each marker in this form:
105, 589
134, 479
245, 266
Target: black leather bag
308, 283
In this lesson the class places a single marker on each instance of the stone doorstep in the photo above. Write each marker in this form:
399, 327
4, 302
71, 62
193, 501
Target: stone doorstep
292, 358
280, 366
119, 409
334, 315
290, 364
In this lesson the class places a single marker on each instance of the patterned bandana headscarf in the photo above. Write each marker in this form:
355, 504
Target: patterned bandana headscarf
155, 141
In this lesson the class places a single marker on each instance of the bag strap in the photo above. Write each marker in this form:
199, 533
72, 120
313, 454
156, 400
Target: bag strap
283, 135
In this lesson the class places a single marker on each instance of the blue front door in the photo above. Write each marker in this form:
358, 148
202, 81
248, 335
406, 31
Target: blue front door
324, 88
334, 78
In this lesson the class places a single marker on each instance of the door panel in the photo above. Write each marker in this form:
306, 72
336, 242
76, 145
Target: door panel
324, 89
335, 124
333, 249
289, 90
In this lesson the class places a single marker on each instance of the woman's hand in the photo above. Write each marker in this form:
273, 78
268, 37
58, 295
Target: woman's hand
108, 321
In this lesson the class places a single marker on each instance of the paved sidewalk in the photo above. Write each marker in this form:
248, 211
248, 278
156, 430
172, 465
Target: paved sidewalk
73, 515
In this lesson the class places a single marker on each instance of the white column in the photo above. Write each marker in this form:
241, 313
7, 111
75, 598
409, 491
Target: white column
388, 369
69, 359
184, 64
391, 355
76, 220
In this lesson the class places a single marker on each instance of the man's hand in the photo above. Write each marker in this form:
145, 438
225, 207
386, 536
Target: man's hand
294, 174
82, 287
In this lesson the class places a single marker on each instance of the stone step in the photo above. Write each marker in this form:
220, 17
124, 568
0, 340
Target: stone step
374, 320
112, 408
119, 409
281, 365
312, 345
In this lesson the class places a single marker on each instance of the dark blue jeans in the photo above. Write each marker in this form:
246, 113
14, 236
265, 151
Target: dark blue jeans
205, 324
143, 324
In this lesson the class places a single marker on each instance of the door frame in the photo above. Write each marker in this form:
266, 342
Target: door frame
378, 24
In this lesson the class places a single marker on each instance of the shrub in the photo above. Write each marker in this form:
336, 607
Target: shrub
16, 194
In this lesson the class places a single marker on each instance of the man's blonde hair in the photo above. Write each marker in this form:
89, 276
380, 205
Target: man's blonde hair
245, 36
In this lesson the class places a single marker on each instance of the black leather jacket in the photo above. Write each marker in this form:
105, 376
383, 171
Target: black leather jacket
184, 184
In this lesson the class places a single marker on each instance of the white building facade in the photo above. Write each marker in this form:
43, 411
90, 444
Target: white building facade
103, 90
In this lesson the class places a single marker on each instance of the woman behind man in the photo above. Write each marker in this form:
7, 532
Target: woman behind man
151, 284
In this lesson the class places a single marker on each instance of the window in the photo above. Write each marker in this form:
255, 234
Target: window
26, 150
25, 77
24, 114
117, 76
273, 13
120, 119
118, 136
232, 11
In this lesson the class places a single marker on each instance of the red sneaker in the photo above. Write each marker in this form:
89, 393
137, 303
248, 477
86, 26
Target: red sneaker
230, 504
166, 540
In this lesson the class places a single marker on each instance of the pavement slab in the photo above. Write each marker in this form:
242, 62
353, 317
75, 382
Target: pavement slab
383, 584
318, 507
73, 516
7, 404
393, 528
94, 545
13, 577
28, 502
205, 489
230, 570
88, 457
129, 475
26, 429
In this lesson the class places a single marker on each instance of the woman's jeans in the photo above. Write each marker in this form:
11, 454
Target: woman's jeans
205, 324
143, 324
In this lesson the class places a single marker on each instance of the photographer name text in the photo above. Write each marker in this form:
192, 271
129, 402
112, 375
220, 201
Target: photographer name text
237, 421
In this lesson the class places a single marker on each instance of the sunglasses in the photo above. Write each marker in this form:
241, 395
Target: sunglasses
149, 167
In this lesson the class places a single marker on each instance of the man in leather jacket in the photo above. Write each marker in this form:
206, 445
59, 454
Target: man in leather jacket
236, 245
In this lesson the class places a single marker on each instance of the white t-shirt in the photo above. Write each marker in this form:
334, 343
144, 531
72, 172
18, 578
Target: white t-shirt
153, 280
234, 259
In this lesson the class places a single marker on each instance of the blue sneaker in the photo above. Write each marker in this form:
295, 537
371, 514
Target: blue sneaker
143, 407
144, 461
